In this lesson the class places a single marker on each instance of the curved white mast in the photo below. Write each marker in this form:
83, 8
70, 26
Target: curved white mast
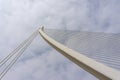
97, 69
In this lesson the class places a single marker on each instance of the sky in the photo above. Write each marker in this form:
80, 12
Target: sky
19, 18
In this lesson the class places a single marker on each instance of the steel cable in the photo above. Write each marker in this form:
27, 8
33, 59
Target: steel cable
19, 53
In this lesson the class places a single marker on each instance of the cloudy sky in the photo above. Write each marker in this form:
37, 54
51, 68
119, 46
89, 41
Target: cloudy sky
19, 18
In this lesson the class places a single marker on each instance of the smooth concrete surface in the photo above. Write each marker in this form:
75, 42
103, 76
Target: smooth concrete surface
97, 69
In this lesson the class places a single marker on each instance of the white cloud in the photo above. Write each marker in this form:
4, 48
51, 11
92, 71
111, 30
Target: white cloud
19, 18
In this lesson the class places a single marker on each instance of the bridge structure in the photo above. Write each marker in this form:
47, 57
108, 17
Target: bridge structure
105, 69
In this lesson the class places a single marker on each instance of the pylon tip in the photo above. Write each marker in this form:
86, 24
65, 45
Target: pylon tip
42, 27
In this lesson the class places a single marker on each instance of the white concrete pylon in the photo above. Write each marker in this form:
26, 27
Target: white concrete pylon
97, 69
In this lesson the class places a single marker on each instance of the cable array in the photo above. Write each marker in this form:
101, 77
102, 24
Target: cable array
102, 47
15, 54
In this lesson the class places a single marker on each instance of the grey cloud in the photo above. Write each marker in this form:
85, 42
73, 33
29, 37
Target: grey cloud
19, 18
